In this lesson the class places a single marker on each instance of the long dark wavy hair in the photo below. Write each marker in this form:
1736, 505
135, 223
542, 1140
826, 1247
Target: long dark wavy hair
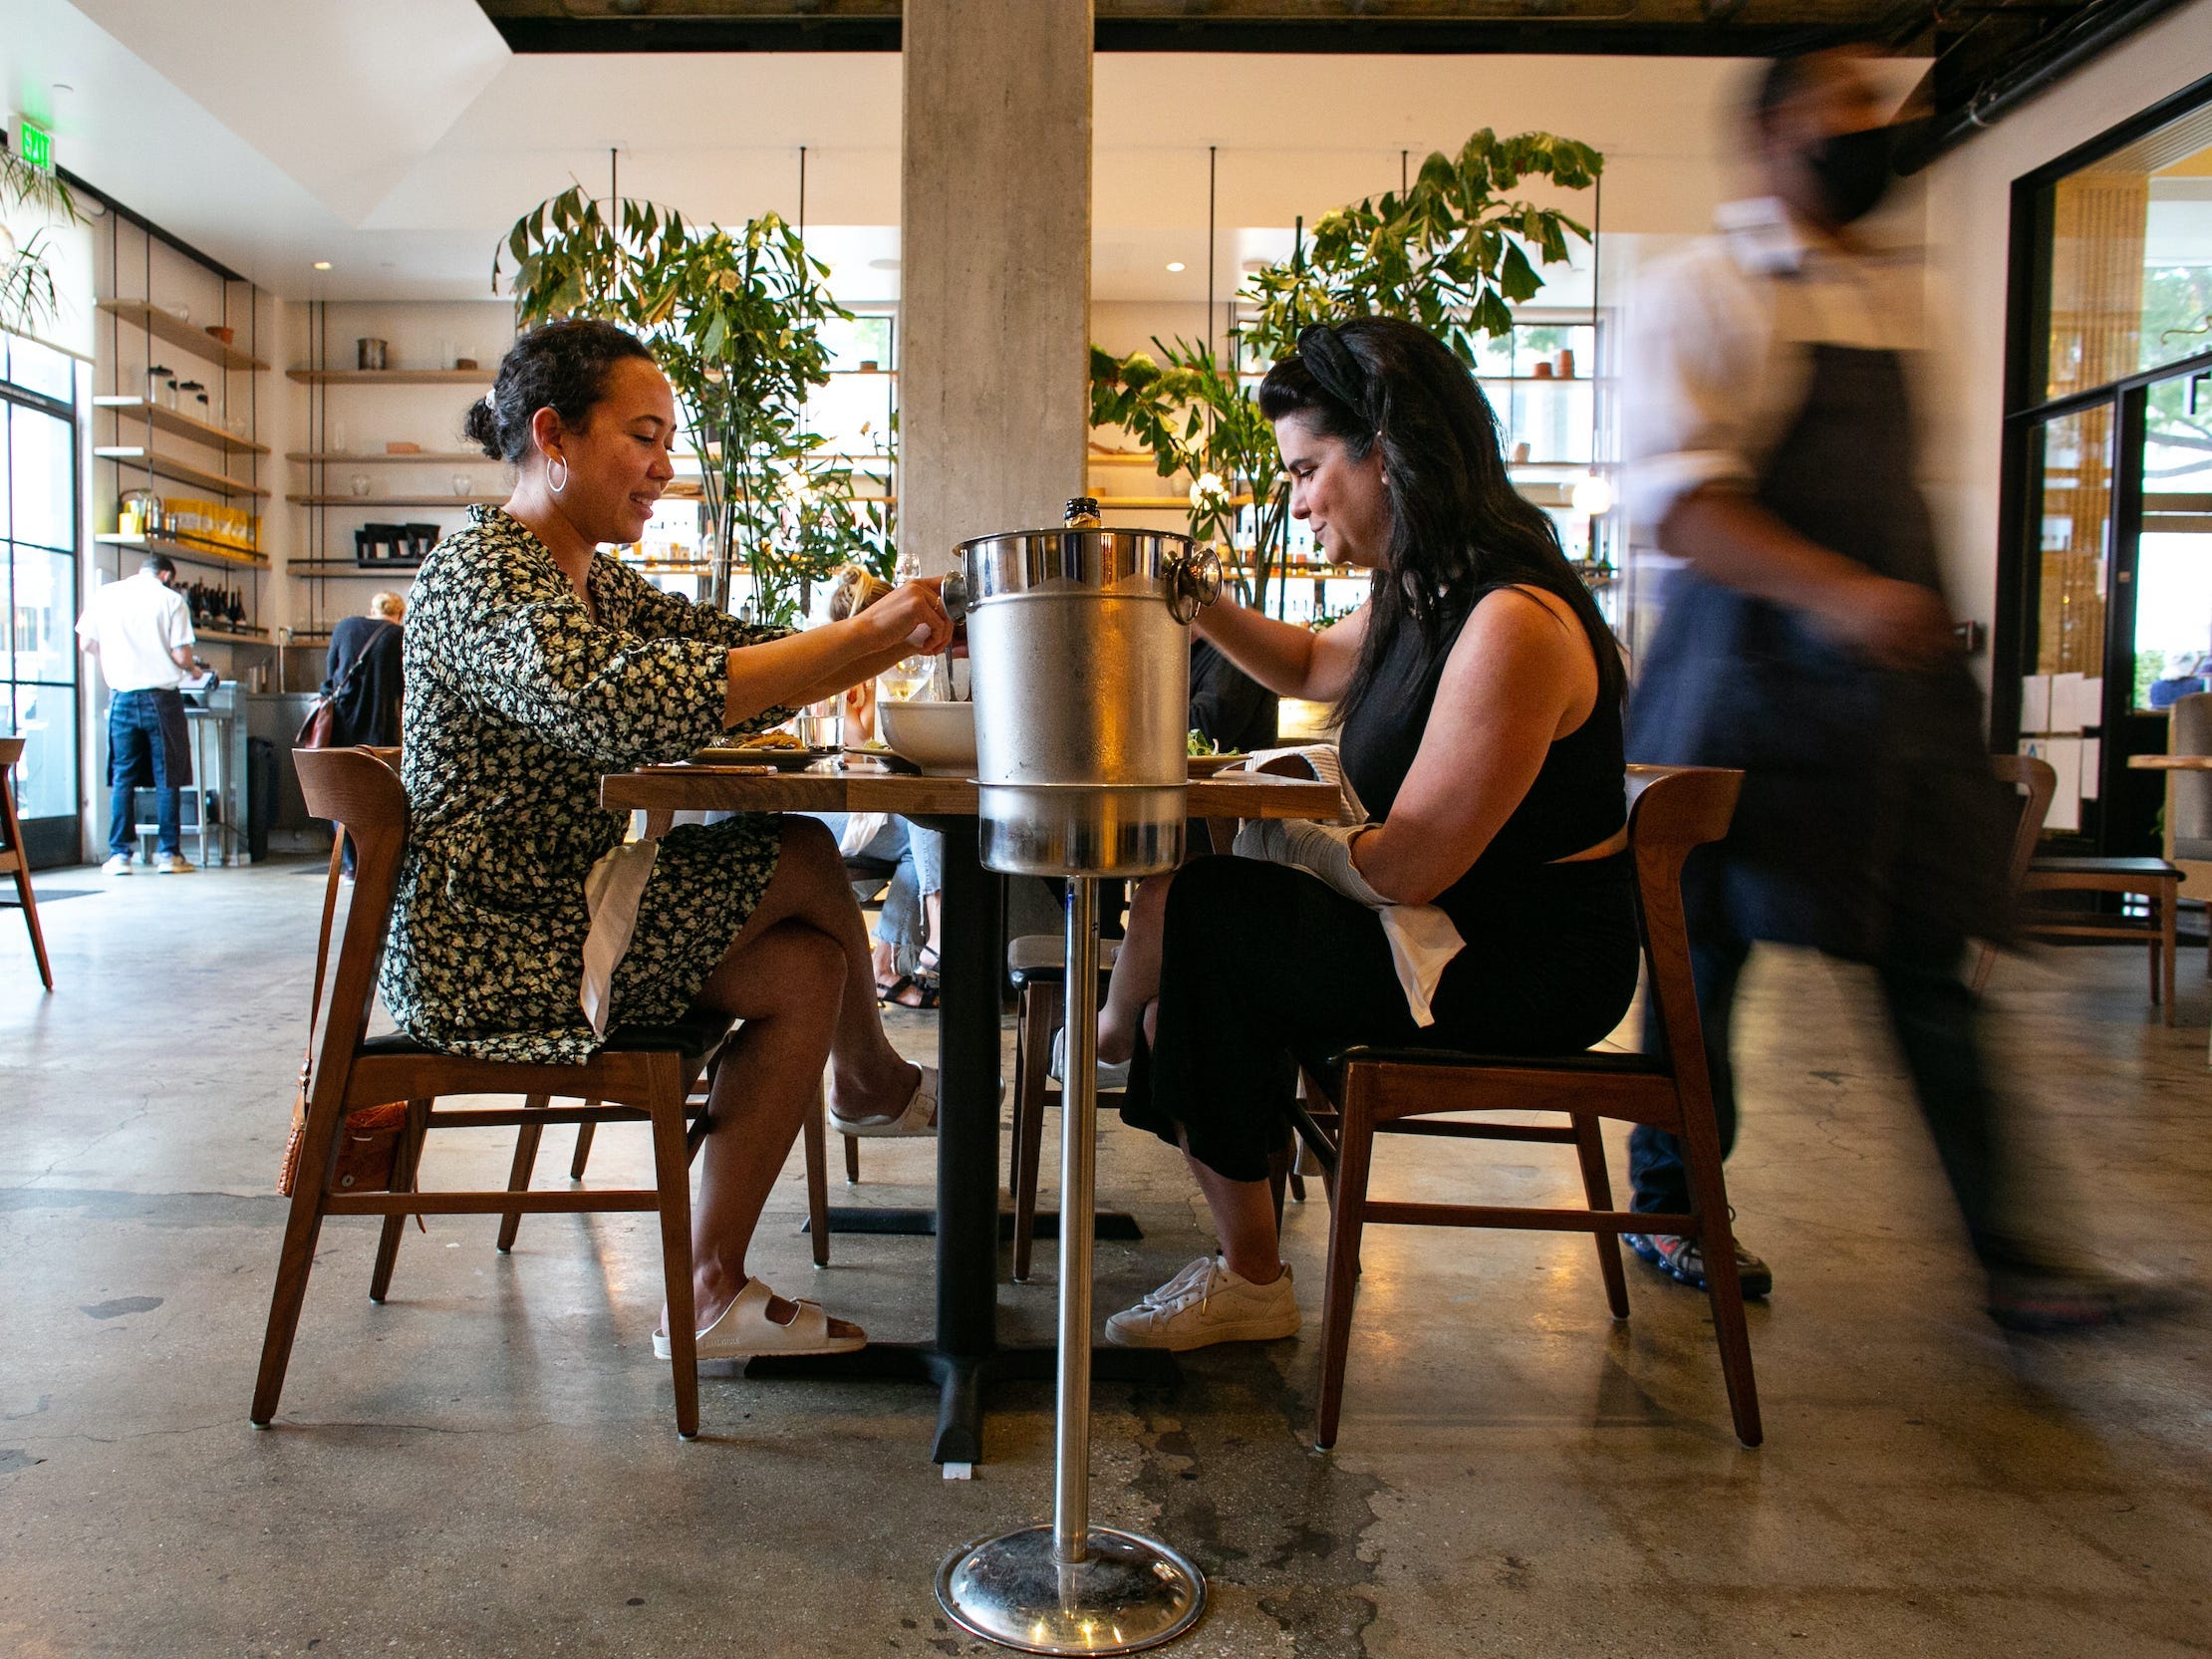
1458, 528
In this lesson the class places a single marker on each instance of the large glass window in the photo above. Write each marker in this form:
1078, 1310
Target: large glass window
38, 562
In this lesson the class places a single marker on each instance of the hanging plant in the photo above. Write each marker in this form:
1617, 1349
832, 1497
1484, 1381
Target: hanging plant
1452, 253
28, 297
735, 318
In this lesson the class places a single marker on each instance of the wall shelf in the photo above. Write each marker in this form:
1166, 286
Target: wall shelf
420, 457
175, 421
391, 376
370, 502
190, 552
348, 567
183, 336
176, 471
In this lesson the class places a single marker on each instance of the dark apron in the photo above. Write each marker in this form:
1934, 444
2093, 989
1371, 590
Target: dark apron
1868, 803
177, 748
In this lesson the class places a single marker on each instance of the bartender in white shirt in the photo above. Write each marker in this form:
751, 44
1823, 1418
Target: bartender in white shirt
1805, 640
140, 633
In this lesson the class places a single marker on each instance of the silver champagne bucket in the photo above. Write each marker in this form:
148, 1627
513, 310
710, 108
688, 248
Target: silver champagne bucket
1078, 645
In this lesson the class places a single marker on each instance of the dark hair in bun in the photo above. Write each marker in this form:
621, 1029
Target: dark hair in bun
562, 367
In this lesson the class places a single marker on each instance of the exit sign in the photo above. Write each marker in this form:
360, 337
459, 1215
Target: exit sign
35, 144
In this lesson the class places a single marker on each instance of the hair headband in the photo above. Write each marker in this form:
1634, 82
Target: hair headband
1330, 362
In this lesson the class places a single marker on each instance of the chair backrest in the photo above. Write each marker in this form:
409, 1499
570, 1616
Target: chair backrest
11, 751
2189, 798
2040, 781
362, 795
1672, 811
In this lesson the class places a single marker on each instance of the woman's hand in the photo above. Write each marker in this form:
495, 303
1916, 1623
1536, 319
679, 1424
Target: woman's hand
912, 617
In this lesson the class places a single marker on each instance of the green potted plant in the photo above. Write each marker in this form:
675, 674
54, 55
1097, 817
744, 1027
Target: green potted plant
735, 318
1451, 252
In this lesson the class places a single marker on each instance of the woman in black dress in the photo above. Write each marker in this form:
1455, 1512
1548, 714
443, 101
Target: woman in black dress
1479, 692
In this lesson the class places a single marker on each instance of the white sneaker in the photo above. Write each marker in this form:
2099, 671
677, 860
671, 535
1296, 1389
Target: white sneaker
1207, 1303
172, 864
1113, 1075
118, 864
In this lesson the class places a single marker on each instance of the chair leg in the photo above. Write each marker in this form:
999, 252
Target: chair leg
671, 1176
403, 1181
1042, 1006
525, 1161
30, 904
584, 1133
815, 1133
2168, 903
852, 1160
1597, 1185
1347, 1214
1709, 1192
295, 1261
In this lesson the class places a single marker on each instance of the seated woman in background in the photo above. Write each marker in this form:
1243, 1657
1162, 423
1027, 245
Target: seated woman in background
1479, 693
534, 665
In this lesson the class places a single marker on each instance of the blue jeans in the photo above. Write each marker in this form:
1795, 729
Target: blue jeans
134, 735
917, 856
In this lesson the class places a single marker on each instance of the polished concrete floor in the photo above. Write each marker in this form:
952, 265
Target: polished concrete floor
486, 1465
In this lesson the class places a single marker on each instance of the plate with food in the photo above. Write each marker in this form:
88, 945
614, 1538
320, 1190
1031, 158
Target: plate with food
878, 751
771, 748
1206, 766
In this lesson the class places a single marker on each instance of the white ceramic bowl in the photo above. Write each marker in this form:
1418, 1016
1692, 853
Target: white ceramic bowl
938, 738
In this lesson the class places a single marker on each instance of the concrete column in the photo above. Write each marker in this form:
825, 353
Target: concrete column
996, 277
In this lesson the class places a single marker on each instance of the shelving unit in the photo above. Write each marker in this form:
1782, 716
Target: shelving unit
176, 471
372, 501
164, 327
189, 552
140, 442
391, 376
334, 512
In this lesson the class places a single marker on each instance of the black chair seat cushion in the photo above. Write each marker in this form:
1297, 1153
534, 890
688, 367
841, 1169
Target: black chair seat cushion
1597, 1062
2152, 867
1039, 959
693, 1036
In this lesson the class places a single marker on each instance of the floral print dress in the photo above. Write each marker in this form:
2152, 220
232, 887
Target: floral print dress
519, 697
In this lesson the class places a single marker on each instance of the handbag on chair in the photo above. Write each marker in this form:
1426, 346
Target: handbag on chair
368, 1138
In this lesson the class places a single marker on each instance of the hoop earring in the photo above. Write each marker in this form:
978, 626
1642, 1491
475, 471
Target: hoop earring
556, 488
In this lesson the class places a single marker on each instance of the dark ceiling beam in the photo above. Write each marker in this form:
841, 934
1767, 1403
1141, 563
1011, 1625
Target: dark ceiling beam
1534, 33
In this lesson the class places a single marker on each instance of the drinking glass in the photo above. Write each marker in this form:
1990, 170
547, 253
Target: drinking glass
900, 682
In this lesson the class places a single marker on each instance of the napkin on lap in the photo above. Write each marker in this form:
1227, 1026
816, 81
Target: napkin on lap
1422, 937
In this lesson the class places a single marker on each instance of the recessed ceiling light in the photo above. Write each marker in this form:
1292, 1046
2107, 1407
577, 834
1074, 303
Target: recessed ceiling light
1174, 264
322, 264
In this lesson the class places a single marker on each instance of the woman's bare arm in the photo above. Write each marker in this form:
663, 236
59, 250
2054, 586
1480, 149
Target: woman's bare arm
1516, 675
1290, 660
821, 661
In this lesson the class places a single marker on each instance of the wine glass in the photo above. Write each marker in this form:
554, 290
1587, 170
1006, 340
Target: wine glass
900, 682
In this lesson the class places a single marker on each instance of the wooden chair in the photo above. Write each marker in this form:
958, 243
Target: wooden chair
13, 860
644, 1073
1402, 1091
1037, 965
2038, 782
2154, 879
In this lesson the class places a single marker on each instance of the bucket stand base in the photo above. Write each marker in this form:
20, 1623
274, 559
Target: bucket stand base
1128, 1593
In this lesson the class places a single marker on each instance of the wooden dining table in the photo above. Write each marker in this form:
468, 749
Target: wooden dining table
963, 1356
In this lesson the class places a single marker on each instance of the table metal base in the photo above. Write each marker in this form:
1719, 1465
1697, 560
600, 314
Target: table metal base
1127, 1594
961, 1379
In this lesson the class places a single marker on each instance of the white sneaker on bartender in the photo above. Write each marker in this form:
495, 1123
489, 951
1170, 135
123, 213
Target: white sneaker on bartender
1207, 1303
1113, 1075
118, 864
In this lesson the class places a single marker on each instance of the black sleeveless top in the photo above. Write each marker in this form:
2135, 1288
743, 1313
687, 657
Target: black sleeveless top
1579, 797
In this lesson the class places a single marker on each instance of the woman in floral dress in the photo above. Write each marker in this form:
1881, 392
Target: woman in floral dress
534, 663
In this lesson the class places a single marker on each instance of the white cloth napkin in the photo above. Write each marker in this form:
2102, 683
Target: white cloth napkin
1422, 939
612, 889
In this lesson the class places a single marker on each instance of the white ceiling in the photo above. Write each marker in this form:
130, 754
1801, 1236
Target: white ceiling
398, 139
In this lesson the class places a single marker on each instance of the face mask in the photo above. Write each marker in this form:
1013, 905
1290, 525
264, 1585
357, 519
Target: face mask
1854, 171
